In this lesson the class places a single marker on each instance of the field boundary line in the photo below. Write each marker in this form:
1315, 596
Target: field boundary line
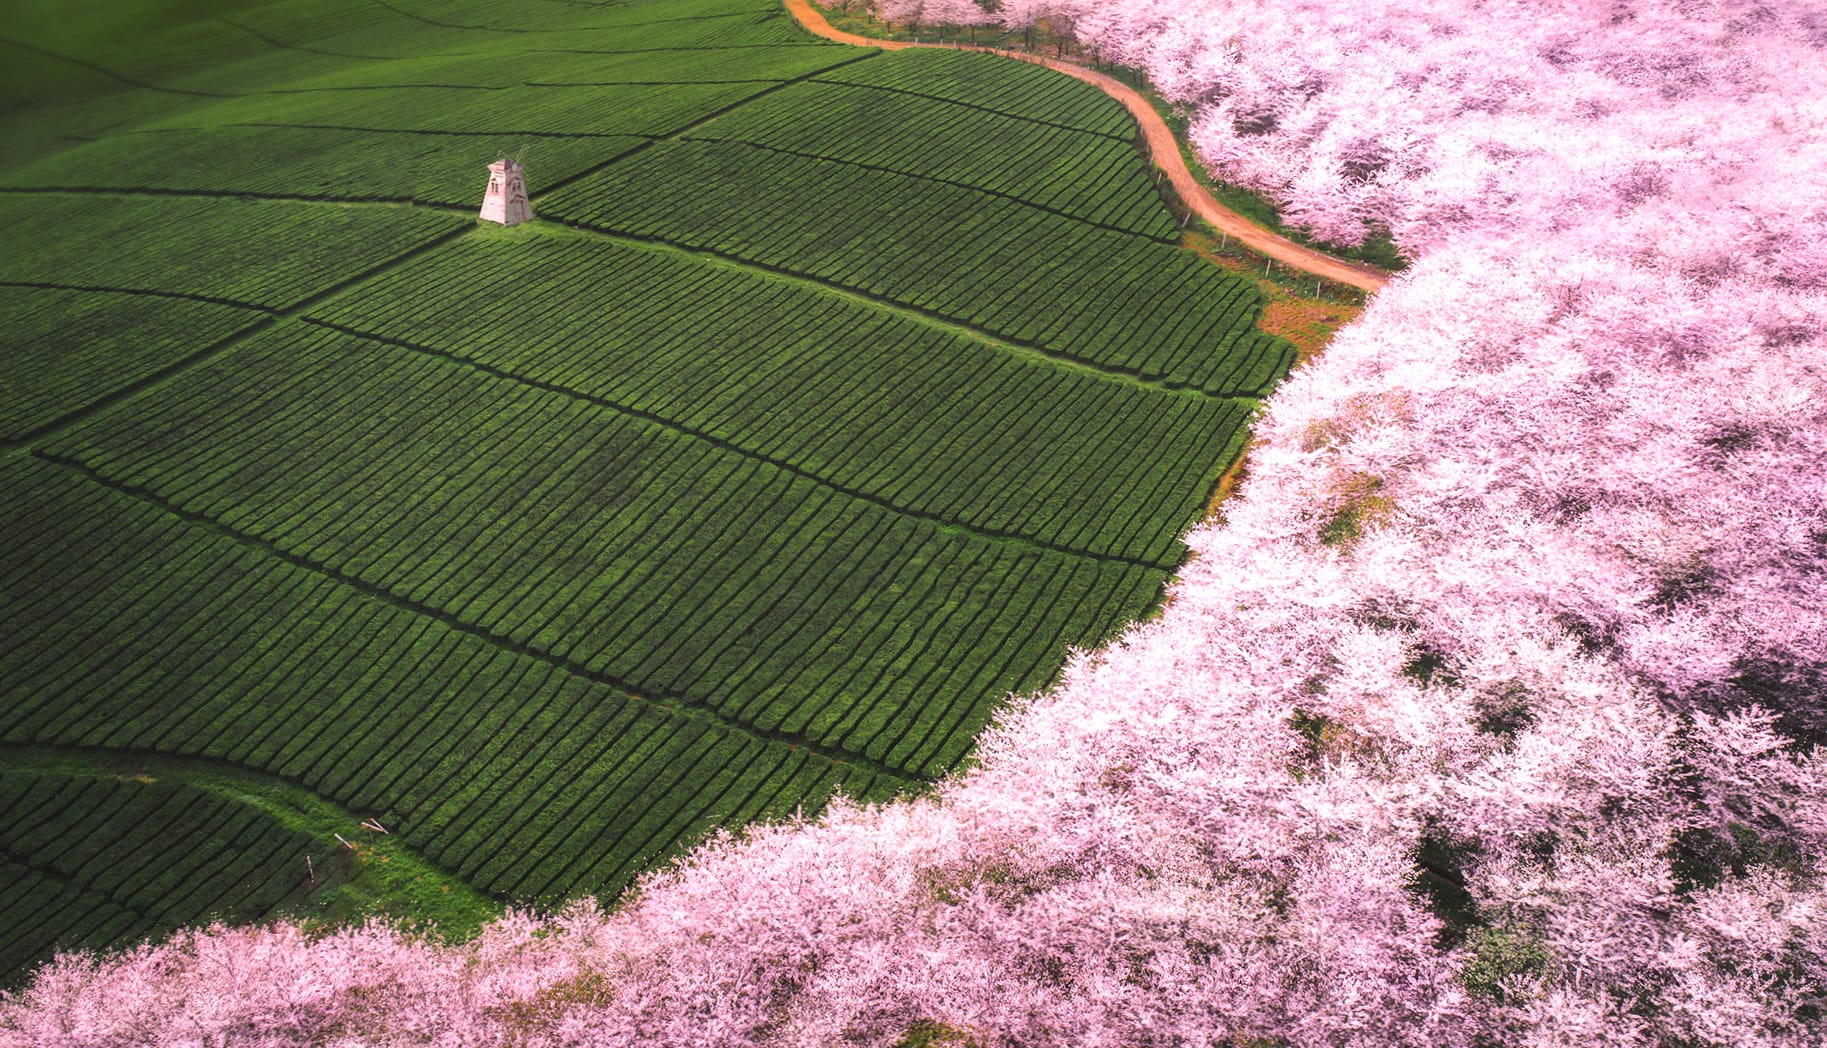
642, 25
109, 73
421, 19
273, 316
391, 131
132, 390
929, 317
70, 881
648, 83
378, 87
230, 194
988, 534
1163, 149
522, 85
693, 124
879, 169
100, 289
682, 705
1128, 140
281, 45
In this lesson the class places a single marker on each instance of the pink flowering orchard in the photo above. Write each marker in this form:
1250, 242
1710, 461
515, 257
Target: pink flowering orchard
1488, 714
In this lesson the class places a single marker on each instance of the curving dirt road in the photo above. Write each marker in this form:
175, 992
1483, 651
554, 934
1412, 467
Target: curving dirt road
1162, 147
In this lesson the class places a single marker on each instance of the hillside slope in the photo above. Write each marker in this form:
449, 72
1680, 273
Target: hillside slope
763, 465
1489, 714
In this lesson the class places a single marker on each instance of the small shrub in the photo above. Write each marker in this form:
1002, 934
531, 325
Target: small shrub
1361, 506
929, 1033
1502, 957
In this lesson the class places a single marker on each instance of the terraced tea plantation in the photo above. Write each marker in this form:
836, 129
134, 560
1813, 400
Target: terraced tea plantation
834, 396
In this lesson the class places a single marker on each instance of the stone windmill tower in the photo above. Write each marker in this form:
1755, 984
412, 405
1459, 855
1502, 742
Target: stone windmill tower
506, 199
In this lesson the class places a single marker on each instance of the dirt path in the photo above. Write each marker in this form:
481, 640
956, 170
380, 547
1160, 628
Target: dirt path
1162, 146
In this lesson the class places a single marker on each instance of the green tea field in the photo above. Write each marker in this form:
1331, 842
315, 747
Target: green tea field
833, 396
